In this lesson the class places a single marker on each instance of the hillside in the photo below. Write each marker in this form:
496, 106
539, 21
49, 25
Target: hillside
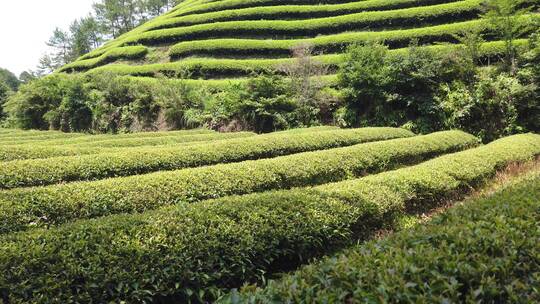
204, 39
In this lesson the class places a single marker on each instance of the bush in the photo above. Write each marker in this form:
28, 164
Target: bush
52, 205
395, 90
151, 257
143, 160
490, 108
481, 251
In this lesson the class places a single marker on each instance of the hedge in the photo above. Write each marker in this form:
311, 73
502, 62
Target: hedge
261, 4
126, 53
313, 27
21, 152
192, 252
60, 138
39, 172
216, 68
483, 251
24, 137
152, 141
326, 44
288, 12
52, 205
72, 147
66, 139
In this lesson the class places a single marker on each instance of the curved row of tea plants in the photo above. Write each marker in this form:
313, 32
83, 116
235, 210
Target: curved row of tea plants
204, 8
60, 138
24, 208
212, 67
193, 252
75, 146
482, 251
289, 12
135, 161
144, 34
155, 141
312, 27
327, 44
125, 52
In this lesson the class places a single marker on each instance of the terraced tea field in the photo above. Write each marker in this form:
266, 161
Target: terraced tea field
172, 217
229, 39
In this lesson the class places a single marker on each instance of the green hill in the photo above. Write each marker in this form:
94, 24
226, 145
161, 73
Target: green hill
230, 39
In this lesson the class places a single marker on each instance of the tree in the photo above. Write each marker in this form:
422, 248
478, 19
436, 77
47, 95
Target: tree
85, 34
62, 54
9, 79
4, 94
306, 85
28, 76
506, 16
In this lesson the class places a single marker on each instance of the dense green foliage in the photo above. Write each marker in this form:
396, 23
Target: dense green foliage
152, 257
427, 91
481, 251
24, 208
102, 103
9, 79
247, 80
143, 160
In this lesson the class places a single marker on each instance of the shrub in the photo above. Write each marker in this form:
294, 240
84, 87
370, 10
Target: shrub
38, 100
52, 205
490, 108
383, 89
481, 251
152, 257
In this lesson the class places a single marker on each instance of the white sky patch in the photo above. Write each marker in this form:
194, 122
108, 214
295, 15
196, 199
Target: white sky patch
25, 26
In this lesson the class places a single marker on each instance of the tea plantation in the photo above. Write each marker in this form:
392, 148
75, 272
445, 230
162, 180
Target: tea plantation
192, 216
230, 39
394, 159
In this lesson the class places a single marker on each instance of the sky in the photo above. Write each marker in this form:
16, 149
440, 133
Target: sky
25, 26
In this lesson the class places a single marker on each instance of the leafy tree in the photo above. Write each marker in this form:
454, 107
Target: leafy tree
506, 16
28, 76
306, 86
60, 42
4, 94
85, 36
394, 90
490, 109
9, 79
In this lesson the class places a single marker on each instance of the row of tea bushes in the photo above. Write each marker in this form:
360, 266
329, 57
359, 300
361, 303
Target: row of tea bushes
24, 208
483, 251
74, 146
447, 12
78, 138
135, 161
194, 252
289, 12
